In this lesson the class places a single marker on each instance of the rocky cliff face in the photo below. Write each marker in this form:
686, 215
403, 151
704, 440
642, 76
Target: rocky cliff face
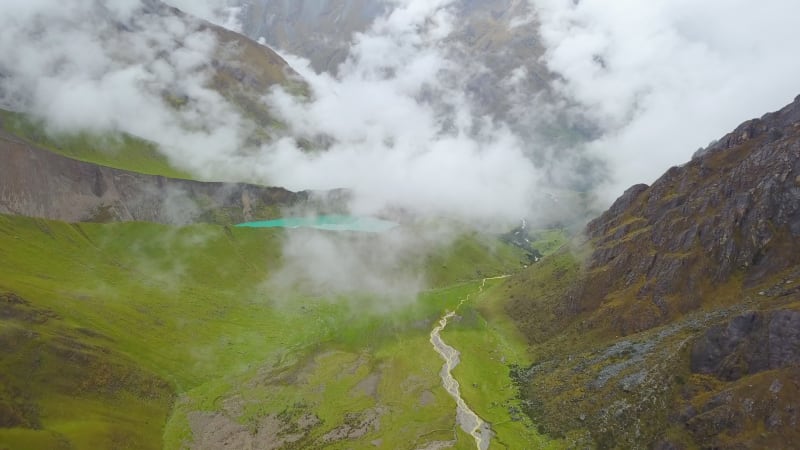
674, 322
748, 344
38, 183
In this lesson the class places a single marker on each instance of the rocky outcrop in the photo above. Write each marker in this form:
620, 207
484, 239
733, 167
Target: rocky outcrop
751, 343
760, 411
37, 183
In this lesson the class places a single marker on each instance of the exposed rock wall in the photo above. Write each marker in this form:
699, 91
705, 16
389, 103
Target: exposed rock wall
38, 183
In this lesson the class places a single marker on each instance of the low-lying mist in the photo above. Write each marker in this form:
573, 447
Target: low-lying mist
328, 265
398, 125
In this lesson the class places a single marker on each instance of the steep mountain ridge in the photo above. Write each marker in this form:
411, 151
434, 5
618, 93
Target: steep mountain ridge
37, 183
733, 210
673, 323
242, 70
245, 70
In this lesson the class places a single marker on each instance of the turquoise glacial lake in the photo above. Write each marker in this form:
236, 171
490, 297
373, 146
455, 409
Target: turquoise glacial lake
330, 222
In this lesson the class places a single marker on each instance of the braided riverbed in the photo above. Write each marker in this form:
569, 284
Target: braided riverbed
467, 419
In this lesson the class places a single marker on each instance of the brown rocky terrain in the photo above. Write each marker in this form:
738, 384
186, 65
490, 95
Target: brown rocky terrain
731, 212
675, 321
38, 183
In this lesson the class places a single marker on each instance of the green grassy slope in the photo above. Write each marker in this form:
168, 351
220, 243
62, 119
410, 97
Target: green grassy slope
133, 318
160, 302
63, 385
117, 150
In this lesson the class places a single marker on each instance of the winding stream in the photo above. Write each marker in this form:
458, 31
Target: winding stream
469, 421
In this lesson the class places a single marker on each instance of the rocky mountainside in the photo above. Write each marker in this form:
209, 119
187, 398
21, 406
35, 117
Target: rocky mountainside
242, 69
245, 70
495, 42
319, 30
675, 322
500, 34
38, 183
731, 212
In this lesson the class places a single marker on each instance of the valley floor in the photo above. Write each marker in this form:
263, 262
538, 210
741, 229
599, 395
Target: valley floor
147, 336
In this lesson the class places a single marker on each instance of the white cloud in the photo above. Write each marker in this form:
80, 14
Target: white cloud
403, 134
660, 78
665, 77
382, 265
106, 67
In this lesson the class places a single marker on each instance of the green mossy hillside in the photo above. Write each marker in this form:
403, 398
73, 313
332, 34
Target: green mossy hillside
137, 334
